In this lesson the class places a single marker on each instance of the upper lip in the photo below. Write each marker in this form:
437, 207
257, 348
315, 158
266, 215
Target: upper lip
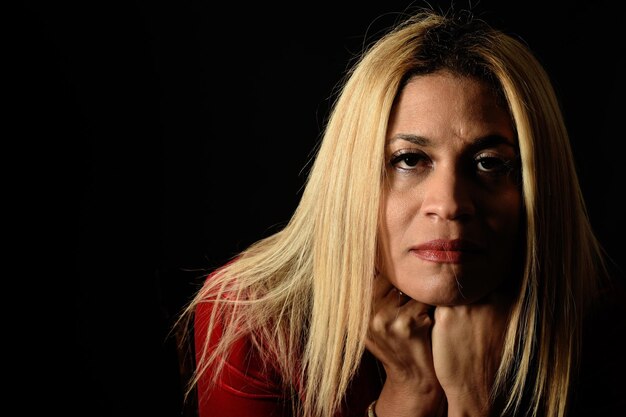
457, 245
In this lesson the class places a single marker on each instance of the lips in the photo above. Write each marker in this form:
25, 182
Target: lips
447, 251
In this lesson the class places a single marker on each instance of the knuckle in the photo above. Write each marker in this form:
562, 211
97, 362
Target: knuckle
378, 324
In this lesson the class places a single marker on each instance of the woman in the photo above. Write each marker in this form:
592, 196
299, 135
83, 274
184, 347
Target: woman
440, 260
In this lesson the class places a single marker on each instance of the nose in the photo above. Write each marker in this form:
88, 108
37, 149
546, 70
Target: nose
447, 196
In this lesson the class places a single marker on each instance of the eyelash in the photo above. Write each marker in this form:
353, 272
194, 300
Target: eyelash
505, 165
402, 155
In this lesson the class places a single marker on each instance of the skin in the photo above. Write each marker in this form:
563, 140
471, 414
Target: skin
451, 162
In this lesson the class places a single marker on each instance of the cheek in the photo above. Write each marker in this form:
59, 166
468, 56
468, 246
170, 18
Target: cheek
399, 210
397, 224
511, 210
506, 219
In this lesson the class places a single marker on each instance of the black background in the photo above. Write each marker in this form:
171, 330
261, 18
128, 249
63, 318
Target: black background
154, 140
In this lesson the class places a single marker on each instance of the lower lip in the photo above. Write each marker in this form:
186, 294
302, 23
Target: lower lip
442, 256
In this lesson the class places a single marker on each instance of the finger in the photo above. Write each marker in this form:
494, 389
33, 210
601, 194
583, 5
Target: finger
423, 313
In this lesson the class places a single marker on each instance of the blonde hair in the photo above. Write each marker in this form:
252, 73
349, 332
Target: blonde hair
304, 294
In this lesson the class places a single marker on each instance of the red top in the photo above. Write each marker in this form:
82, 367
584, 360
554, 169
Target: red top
247, 388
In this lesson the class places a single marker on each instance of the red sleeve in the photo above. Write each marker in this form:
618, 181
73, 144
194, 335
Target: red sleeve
246, 388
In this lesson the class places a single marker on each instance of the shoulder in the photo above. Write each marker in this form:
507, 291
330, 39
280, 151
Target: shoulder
219, 326
245, 378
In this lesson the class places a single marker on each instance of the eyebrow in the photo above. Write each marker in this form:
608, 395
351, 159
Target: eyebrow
488, 141
414, 139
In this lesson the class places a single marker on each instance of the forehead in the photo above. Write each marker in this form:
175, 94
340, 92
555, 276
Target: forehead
444, 105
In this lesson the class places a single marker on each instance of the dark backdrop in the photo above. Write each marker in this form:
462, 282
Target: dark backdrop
160, 138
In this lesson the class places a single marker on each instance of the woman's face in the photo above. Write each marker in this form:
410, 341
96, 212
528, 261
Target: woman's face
451, 208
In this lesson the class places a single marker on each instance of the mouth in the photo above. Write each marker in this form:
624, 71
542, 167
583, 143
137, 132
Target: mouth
447, 250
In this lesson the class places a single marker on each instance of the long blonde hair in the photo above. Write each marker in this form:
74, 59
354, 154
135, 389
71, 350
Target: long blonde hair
304, 294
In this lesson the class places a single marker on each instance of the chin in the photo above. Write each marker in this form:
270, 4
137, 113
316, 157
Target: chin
443, 299
447, 289
456, 299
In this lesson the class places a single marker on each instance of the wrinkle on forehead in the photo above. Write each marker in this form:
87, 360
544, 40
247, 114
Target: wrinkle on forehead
447, 105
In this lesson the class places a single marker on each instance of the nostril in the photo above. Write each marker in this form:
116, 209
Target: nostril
450, 212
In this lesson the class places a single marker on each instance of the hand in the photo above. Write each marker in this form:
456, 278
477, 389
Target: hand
399, 336
467, 343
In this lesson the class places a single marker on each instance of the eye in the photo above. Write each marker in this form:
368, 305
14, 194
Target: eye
493, 165
408, 160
